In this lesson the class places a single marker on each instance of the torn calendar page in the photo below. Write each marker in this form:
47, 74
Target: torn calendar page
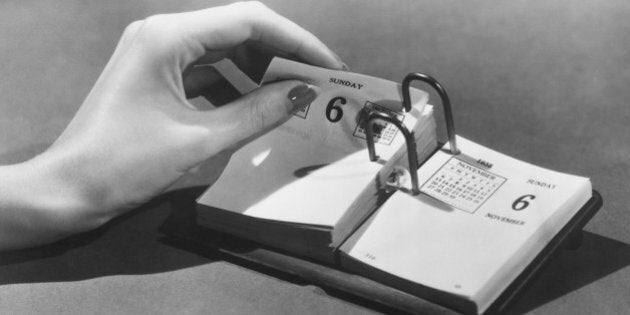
273, 178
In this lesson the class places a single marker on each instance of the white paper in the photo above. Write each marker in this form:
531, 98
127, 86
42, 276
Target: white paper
277, 177
450, 243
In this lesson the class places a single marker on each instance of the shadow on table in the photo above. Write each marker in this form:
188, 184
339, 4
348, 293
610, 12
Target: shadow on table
126, 245
571, 270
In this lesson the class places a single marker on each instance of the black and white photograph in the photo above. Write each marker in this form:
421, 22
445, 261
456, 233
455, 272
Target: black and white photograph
314, 157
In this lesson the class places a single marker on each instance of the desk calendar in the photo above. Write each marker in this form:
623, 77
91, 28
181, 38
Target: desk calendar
339, 184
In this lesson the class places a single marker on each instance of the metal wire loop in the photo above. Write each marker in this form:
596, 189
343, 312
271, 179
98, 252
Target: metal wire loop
409, 140
446, 103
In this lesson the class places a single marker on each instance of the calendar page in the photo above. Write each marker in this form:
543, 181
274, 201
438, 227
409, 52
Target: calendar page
311, 169
480, 218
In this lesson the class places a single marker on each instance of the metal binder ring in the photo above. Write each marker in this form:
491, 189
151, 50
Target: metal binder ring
446, 103
409, 140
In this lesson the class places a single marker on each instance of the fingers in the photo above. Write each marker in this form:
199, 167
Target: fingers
278, 32
206, 81
192, 34
199, 79
256, 112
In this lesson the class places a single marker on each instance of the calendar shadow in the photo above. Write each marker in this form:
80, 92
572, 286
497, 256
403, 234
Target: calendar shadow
570, 270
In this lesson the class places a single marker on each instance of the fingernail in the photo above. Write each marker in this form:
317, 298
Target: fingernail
301, 95
344, 67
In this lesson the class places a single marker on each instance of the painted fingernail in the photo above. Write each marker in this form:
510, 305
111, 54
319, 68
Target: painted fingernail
301, 95
344, 67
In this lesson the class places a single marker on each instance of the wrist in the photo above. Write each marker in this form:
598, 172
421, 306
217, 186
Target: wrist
41, 203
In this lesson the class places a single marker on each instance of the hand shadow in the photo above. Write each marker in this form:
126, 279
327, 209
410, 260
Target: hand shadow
133, 244
126, 245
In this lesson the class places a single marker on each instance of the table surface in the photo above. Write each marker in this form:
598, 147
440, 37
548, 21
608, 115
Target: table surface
544, 82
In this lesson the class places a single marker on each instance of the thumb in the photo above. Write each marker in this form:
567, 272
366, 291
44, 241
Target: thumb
258, 111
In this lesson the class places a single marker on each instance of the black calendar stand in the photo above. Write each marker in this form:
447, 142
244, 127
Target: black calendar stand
181, 231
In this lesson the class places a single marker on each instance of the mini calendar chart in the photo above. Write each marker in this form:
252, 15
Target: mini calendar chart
384, 132
462, 185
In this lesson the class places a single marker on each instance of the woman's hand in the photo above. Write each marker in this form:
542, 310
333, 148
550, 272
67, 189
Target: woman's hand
136, 133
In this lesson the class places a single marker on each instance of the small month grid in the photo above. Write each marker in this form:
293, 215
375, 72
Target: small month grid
302, 111
384, 132
462, 185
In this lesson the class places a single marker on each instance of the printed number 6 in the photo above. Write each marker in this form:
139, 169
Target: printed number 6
336, 108
522, 202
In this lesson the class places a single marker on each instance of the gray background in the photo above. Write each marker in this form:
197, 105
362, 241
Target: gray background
548, 83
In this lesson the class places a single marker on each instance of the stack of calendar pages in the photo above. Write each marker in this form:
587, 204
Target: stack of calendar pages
308, 188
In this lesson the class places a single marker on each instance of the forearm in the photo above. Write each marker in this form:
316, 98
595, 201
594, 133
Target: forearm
38, 206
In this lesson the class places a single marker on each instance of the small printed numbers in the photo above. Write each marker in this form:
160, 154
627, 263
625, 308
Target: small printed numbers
462, 185
370, 256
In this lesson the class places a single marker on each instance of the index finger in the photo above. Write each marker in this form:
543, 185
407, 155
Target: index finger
228, 26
